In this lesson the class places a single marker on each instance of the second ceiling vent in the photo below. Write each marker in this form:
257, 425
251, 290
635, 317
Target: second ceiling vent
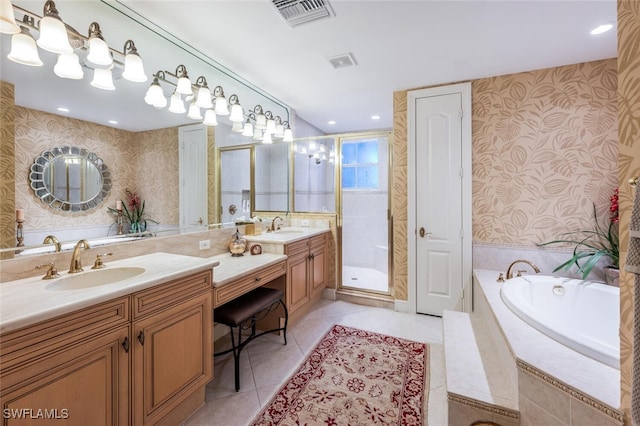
297, 12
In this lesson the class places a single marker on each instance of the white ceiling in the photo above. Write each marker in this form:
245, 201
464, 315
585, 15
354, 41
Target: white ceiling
396, 44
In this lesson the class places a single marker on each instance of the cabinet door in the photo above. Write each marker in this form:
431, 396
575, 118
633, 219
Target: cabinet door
318, 270
84, 384
172, 357
297, 281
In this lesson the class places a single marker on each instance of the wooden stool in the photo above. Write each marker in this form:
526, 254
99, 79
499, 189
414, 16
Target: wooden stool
243, 313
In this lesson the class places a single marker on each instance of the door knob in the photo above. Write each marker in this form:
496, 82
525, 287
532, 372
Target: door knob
423, 233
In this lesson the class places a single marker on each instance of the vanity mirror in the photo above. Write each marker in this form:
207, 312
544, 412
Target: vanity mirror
70, 178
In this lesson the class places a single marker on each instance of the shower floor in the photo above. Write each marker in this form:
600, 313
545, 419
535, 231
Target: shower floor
364, 278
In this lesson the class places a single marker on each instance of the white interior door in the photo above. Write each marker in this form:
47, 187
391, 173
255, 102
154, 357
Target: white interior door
193, 175
438, 217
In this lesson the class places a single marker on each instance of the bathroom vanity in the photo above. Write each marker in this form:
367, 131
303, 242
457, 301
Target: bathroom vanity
134, 351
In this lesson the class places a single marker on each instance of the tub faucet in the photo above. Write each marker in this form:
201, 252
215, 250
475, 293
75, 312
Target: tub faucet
53, 240
510, 273
76, 260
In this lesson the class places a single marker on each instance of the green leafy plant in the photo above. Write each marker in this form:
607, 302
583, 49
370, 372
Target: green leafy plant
593, 245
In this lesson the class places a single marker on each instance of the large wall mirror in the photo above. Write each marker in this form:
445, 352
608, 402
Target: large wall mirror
137, 142
314, 175
70, 178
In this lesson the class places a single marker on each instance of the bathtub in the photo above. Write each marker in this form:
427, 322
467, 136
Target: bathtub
582, 315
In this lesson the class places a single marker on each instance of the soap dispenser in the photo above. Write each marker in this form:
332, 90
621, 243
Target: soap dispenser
238, 244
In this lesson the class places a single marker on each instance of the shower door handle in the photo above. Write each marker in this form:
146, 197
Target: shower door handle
423, 233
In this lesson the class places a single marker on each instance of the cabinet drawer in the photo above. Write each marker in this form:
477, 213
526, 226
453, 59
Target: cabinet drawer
297, 247
56, 334
318, 241
166, 295
223, 294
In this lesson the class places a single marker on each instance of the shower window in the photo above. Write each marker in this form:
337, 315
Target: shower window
360, 165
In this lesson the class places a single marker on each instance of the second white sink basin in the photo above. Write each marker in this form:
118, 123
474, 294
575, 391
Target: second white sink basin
94, 278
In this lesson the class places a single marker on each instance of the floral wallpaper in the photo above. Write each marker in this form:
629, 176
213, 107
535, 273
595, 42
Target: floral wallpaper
544, 150
7, 171
629, 167
144, 161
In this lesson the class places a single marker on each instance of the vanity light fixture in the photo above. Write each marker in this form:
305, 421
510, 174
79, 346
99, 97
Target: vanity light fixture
266, 138
53, 33
23, 46
133, 67
261, 120
98, 49
203, 99
271, 123
68, 66
221, 106
184, 84
288, 134
103, 79
237, 127
210, 118
155, 96
177, 105
7, 19
247, 129
257, 134
236, 115
194, 111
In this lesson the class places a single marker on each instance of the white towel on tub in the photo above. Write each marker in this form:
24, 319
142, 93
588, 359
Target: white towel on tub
633, 266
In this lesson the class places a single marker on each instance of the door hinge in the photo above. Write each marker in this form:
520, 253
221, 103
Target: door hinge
461, 233
461, 113
461, 173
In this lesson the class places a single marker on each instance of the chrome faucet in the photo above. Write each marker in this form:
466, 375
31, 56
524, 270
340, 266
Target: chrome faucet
273, 224
510, 273
76, 261
53, 240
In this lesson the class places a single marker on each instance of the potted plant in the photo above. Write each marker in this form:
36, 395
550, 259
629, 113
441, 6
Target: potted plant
592, 245
135, 214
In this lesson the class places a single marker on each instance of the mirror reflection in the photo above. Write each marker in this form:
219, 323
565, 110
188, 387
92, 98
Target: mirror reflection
314, 177
235, 184
272, 177
70, 178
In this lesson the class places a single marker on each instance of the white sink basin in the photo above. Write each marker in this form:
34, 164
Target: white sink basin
94, 278
286, 232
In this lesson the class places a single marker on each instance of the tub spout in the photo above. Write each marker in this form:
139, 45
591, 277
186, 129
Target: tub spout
510, 272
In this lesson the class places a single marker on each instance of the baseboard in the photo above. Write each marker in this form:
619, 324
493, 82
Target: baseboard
404, 306
329, 293
220, 330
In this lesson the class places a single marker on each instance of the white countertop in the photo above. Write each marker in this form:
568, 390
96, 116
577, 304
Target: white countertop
286, 235
231, 268
28, 301
528, 344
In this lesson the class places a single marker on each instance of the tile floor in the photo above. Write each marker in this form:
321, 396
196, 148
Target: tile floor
266, 363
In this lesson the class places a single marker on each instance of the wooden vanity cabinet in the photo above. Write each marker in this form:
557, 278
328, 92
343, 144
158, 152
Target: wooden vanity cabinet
139, 359
306, 271
172, 349
74, 368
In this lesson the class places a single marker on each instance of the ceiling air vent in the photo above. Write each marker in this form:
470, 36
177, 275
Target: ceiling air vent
297, 12
342, 61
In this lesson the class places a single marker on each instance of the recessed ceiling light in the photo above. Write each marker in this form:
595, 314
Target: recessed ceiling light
113, 122
63, 109
375, 117
331, 122
601, 29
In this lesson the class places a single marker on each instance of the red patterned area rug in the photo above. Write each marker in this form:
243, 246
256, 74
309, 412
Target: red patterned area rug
354, 377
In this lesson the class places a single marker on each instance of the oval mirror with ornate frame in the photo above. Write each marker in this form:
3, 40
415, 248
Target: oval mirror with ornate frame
70, 178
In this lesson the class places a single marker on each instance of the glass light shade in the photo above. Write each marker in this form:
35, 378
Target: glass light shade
7, 18
184, 86
210, 118
279, 131
194, 112
68, 66
134, 69
261, 122
312, 146
204, 98
236, 115
247, 130
271, 127
24, 50
237, 127
267, 137
257, 134
53, 36
99, 52
160, 102
176, 105
222, 108
288, 135
154, 93
103, 79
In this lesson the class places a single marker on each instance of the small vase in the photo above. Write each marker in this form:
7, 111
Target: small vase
135, 227
612, 276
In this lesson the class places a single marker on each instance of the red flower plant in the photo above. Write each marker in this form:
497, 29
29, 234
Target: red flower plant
613, 207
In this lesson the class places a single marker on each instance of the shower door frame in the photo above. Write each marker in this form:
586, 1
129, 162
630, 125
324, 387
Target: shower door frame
388, 134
